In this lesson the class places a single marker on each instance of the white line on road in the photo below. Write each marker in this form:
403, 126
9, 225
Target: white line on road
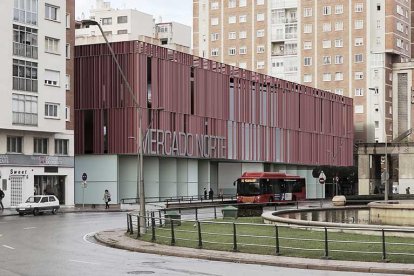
9, 247
83, 262
27, 228
91, 234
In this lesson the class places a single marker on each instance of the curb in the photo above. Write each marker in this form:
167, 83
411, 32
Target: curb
75, 211
245, 258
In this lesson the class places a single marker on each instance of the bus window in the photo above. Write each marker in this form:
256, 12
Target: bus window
276, 183
298, 185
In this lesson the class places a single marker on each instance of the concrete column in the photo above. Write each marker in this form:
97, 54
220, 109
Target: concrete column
363, 174
168, 177
203, 175
182, 177
192, 177
152, 176
214, 177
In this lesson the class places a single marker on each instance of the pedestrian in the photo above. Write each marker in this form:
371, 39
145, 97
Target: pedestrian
407, 191
107, 199
210, 194
1, 199
205, 193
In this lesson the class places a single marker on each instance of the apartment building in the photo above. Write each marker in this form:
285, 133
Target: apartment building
342, 46
36, 140
130, 24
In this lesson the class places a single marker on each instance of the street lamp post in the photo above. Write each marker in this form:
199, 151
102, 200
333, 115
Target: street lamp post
140, 182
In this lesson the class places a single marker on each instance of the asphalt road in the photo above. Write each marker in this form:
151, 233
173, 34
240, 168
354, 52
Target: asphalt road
60, 245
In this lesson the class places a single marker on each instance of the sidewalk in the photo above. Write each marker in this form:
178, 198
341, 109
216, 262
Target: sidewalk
118, 239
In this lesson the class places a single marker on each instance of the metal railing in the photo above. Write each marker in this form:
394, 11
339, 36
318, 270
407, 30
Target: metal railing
303, 241
180, 199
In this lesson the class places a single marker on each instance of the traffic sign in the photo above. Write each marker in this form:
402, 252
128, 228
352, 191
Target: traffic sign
322, 178
84, 176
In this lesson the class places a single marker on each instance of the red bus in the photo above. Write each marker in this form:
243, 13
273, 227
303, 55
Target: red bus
261, 187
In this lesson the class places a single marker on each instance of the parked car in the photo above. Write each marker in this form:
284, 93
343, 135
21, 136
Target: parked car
38, 204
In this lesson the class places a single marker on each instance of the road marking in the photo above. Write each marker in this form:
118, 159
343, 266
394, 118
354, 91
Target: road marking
27, 228
83, 262
91, 234
9, 247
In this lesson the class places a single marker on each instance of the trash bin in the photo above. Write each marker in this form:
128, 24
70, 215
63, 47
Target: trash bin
229, 212
169, 215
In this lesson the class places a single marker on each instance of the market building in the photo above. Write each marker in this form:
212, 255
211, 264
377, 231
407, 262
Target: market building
204, 124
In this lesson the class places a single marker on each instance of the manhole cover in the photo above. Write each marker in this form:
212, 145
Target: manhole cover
143, 272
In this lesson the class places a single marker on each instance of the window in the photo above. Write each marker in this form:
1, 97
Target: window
242, 18
326, 77
359, 41
307, 28
51, 45
260, 17
307, 45
215, 36
326, 10
400, 43
260, 33
215, 5
68, 21
40, 145
260, 65
122, 19
232, 35
14, 144
358, 58
51, 12
162, 28
326, 60
307, 61
326, 27
52, 77
243, 50
242, 34
67, 51
232, 3
339, 91
214, 52
24, 110
107, 33
24, 75
339, 26
214, 21
232, 19
232, 51
359, 7
51, 110
242, 3
326, 44
25, 41
359, 75
25, 12
61, 146
339, 9
307, 12
339, 59
359, 92
261, 49
67, 83
243, 65
359, 24
359, 109
307, 78
67, 114
339, 43
400, 10
260, 2
339, 76
400, 26
107, 21
122, 32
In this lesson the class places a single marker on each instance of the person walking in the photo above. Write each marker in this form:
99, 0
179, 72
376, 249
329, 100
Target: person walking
210, 194
407, 191
205, 193
107, 199
1, 199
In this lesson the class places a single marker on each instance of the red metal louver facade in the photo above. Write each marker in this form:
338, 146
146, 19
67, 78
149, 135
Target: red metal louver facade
261, 118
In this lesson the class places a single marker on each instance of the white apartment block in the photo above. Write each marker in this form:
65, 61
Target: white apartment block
342, 46
36, 149
130, 24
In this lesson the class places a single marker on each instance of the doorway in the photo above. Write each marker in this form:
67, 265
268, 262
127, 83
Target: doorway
50, 185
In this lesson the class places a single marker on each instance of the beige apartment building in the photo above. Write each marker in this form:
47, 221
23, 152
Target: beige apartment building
347, 47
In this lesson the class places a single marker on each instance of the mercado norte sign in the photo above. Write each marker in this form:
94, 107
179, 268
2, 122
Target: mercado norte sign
164, 142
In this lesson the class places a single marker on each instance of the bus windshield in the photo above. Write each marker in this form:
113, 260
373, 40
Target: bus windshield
248, 187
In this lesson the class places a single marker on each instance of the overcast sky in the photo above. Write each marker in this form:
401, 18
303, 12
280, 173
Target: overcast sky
170, 10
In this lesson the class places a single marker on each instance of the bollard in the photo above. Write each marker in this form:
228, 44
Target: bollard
131, 228
200, 241
128, 217
297, 205
196, 213
215, 212
326, 244
153, 227
138, 227
159, 214
384, 253
275, 206
277, 240
234, 238
172, 232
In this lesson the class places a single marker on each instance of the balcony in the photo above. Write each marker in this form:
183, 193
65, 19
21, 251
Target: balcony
283, 36
284, 4
291, 52
283, 20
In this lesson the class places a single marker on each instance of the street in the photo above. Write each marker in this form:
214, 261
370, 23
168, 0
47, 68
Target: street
60, 245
